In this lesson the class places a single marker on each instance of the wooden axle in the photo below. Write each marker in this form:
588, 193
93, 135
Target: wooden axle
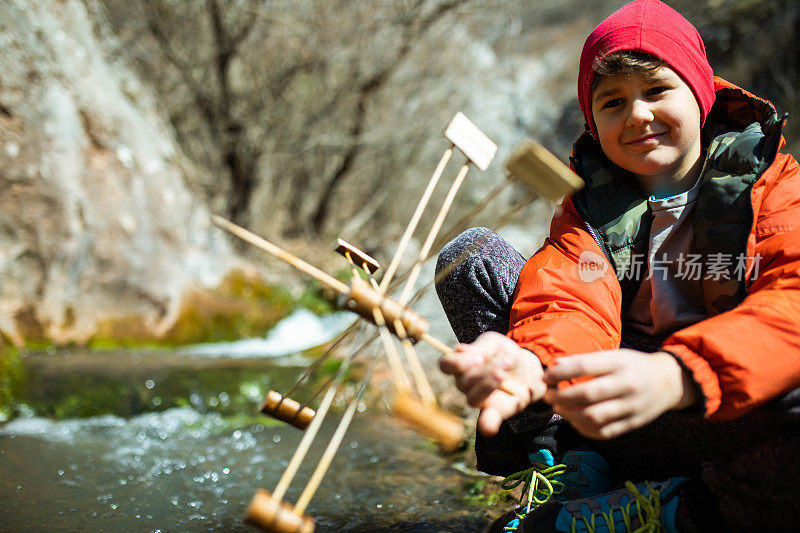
362, 299
287, 410
443, 426
276, 516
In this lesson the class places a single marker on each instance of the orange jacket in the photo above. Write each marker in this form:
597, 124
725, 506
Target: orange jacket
740, 358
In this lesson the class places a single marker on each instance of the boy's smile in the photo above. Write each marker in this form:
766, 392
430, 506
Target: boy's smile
651, 127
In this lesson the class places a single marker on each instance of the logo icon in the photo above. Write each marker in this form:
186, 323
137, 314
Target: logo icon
591, 266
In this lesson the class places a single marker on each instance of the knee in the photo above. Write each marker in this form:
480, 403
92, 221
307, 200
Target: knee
466, 250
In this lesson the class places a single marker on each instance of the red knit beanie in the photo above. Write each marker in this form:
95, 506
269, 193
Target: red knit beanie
653, 27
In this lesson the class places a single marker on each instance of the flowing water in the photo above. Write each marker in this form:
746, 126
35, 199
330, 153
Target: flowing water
181, 447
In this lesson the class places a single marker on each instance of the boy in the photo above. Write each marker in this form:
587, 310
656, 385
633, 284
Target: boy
673, 374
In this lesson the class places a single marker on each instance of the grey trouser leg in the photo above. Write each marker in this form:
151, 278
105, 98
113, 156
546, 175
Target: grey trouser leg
476, 296
478, 292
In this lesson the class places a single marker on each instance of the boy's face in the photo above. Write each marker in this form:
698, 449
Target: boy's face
648, 126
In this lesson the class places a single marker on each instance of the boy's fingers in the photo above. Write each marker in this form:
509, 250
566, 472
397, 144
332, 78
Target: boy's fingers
491, 344
489, 422
497, 407
481, 389
596, 415
458, 363
588, 392
472, 378
575, 366
615, 429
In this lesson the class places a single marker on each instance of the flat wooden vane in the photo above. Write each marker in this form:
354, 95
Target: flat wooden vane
533, 165
357, 256
472, 142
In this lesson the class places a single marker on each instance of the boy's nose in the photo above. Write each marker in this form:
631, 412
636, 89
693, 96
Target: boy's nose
639, 113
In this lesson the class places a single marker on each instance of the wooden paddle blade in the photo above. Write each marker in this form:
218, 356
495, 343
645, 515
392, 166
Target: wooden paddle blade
276, 516
472, 142
287, 410
531, 164
446, 428
359, 258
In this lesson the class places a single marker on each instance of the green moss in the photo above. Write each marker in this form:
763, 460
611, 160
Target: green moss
329, 367
315, 298
242, 420
242, 307
12, 381
480, 493
475, 487
137, 383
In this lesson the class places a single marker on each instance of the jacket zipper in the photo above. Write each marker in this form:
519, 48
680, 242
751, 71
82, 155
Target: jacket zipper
597, 240
752, 209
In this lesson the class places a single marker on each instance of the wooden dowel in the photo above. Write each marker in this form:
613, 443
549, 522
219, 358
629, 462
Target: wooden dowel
333, 446
415, 218
399, 375
272, 514
287, 410
436, 343
460, 226
423, 385
437, 224
446, 428
280, 253
310, 434
363, 299
508, 385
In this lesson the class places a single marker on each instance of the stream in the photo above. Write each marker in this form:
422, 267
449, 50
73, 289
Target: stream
170, 441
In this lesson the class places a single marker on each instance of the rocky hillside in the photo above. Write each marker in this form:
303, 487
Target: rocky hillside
124, 124
97, 221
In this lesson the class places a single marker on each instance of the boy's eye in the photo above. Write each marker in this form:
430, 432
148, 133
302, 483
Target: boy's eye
614, 102
657, 90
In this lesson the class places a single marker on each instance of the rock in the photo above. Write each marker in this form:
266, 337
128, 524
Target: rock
97, 221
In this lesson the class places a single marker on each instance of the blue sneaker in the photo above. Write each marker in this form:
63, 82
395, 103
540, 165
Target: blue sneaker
646, 507
581, 474
587, 475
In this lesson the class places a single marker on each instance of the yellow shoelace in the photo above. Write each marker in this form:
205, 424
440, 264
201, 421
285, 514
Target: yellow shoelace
539, 483
648, 508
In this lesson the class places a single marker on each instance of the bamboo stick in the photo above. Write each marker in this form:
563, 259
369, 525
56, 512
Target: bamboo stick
310, 434
423, 385
369, 265
415, 218
280, 253
333, 446
437, 224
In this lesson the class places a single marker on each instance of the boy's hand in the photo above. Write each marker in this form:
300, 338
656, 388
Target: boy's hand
629, 390
481, 366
